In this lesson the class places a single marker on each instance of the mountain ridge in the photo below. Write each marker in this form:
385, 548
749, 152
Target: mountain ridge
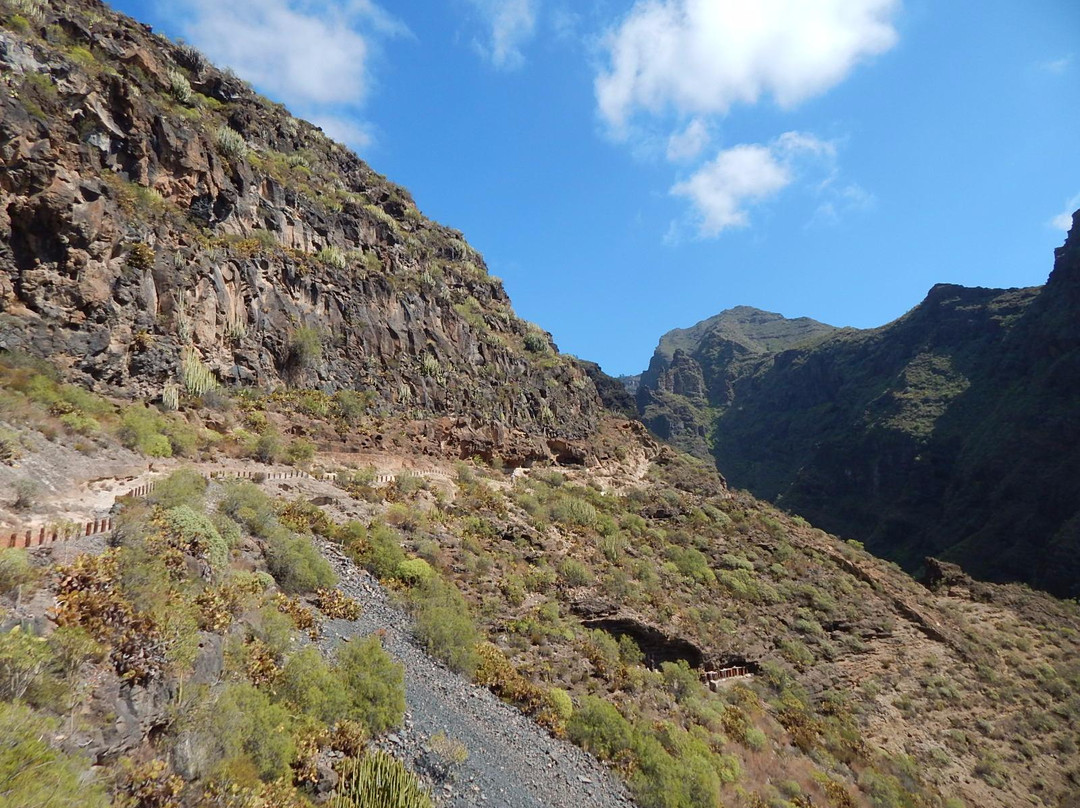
885, 434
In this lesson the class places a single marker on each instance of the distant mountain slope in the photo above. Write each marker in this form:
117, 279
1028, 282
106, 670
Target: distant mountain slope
953, 431
693, 369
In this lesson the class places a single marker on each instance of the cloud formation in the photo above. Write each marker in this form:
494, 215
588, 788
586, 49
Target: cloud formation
512, 23
313, 56
722, 189
1063, 221
688, 144
1057, 66
699, 57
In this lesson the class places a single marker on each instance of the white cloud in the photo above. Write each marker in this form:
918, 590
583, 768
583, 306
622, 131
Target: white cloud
1063, 221
699, 57
1057, 66
313, 55
513, 23
344, 129
688, 144
722, 189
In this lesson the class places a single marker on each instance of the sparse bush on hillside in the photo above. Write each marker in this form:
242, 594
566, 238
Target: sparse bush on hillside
443, 625
375, 683
15, 570
26, 494
182, 487
178, 86
295, 563
268, 447
305, 348
573, 512
34, 773
333, 257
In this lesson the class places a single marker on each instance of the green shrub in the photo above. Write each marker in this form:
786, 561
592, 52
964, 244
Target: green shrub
333, 257
351, 405
26, 494
194, 533
15, 570
300, 452
312, 687
415, 571
659, 781
443, 625
24, 662
296, 565
231, 143
679, 680
692, 563
382, 554
268, 447
250, 506
597, 727
142, 429
32, 773
375, 683
305, 348
574, 573
561, 703
182, 487
573, 512
246, 724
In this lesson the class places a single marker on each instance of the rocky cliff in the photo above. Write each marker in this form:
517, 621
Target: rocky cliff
693, 370
159, 218
949, 432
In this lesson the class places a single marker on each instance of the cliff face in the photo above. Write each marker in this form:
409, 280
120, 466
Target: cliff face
155, 209
693, 370
949, 432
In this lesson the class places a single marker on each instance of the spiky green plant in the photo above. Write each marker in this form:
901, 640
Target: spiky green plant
32, 10
198, 378
333, 257
429, 366
235, 328
178, 85
170, 397
183, 317
231, 143
378, 780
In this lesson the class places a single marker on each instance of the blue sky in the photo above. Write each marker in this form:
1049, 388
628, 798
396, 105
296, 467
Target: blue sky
632, 166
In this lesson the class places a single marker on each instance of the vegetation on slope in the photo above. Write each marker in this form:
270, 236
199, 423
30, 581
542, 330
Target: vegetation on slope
935, 435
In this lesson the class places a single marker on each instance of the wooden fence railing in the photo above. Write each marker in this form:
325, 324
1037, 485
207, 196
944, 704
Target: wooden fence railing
40, 535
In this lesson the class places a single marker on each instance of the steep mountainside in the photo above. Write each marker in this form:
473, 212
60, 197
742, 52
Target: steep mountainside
949, 432
158, 216
241, 367
693, 370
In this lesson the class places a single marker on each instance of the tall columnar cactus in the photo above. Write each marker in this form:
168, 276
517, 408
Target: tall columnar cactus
378, 780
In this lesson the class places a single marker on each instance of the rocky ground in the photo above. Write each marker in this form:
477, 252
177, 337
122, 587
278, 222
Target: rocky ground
511, 761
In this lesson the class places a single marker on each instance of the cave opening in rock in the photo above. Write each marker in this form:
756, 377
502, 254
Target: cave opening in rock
657, 646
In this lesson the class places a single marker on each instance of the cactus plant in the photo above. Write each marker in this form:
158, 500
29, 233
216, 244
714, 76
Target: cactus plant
378, 780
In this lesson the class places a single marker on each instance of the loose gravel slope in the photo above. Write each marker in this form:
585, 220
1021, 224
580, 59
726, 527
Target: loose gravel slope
511, 761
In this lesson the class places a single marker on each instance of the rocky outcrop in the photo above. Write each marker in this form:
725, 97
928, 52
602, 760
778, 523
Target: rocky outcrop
156, 214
